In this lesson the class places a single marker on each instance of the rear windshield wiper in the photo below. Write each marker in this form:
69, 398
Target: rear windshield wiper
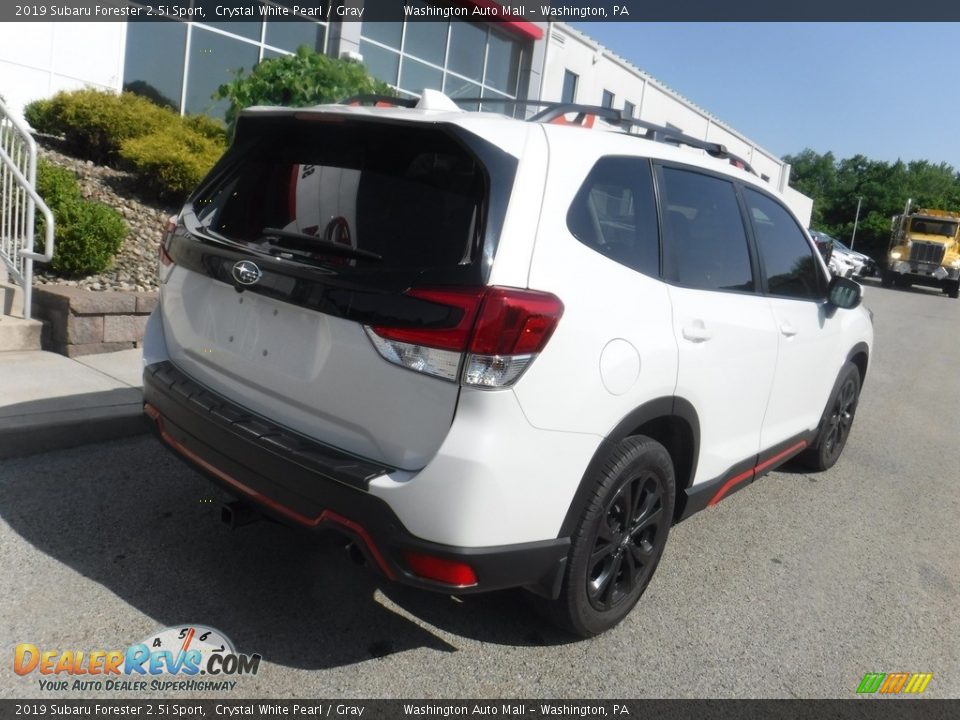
301, 241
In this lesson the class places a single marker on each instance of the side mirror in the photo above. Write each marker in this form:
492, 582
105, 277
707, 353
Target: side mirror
844, 293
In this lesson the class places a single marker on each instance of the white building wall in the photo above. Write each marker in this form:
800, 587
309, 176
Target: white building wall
39, 59
801, 205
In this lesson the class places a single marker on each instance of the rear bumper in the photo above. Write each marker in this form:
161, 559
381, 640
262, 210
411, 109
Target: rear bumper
304, 484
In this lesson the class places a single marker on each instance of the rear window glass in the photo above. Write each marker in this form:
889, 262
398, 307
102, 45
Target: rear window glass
412, 195
615, 213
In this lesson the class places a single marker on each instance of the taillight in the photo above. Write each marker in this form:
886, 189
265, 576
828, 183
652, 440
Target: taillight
492, 336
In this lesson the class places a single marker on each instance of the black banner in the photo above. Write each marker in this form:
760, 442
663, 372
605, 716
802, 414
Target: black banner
481, 10
558, 709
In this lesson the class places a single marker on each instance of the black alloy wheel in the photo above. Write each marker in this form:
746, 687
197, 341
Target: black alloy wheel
836, 422
624, 551
619, 538
841, 419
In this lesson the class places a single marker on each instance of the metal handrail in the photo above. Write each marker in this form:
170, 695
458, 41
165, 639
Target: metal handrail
17, 216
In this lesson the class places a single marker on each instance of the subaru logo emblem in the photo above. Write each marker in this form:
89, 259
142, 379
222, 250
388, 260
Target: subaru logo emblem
246, 273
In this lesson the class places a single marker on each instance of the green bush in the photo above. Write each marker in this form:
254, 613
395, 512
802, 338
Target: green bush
56, 185
206, 126
88, 234
169, 154
171, 162
95, 123
41, 117
306, 78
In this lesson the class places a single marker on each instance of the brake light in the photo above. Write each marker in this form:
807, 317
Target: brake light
493, 334
463, 303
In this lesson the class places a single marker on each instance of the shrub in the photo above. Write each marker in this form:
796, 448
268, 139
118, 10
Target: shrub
56, 185
306, 78
171, 162
40, 115
88, 234
95, 123
207, 126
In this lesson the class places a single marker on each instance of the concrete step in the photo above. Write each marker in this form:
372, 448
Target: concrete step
11, 299
19, 334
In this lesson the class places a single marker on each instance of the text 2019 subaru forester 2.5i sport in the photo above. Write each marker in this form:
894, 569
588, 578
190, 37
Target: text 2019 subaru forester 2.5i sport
494, 352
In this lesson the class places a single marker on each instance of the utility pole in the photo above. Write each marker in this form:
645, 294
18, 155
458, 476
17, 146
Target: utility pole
855, 221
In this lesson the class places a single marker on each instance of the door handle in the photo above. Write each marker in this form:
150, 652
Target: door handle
787, 329
696, 332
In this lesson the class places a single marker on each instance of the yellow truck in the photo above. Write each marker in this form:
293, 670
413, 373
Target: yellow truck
925, 250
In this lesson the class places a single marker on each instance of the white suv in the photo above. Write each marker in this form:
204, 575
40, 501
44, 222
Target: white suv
494, 352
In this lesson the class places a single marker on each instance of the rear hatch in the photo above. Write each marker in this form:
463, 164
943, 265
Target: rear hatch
315, 228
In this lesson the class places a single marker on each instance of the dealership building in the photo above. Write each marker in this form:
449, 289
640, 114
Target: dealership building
181, 63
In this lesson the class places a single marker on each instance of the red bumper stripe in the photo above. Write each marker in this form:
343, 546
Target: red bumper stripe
325, 516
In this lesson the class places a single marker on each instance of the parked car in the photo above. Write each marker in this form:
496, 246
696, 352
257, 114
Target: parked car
492, 352
842, 260
824, 244
841, 265
863, 265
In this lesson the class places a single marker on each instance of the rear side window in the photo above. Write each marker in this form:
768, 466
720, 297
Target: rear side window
786, 256
413, 195
705, 244
615, 213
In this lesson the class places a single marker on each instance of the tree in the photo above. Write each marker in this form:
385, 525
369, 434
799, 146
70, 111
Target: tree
299, 80
881, 187
815, 176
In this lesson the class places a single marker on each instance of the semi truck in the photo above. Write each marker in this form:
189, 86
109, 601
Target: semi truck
924, 250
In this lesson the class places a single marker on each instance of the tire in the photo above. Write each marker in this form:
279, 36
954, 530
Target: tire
619, 539
953, 290
886, 279
836, 422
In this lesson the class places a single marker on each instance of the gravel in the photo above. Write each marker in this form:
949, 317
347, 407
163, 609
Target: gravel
135, 266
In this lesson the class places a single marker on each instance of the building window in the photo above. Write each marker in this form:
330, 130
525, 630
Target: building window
462, 59
629, 109
608, 98
569, 87
158, 66
154, 61
214, 58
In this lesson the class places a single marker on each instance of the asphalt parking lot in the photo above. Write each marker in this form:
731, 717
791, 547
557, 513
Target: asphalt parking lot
795, 587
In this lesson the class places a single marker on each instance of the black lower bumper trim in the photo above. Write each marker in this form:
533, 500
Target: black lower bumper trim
215, 437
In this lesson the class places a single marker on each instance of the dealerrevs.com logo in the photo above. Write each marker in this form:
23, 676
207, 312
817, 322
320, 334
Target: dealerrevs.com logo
186, 657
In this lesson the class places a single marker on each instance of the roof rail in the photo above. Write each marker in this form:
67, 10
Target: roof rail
554, 112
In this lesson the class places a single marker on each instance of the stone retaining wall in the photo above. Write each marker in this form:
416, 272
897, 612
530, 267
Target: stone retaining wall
82, 322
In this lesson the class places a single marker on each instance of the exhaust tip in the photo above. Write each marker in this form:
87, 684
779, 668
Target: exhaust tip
355, 554
237, 514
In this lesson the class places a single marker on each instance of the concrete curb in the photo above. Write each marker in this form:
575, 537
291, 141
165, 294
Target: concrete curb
49, 402
45, 432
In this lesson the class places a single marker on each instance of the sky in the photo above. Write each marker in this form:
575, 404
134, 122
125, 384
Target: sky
886, 91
